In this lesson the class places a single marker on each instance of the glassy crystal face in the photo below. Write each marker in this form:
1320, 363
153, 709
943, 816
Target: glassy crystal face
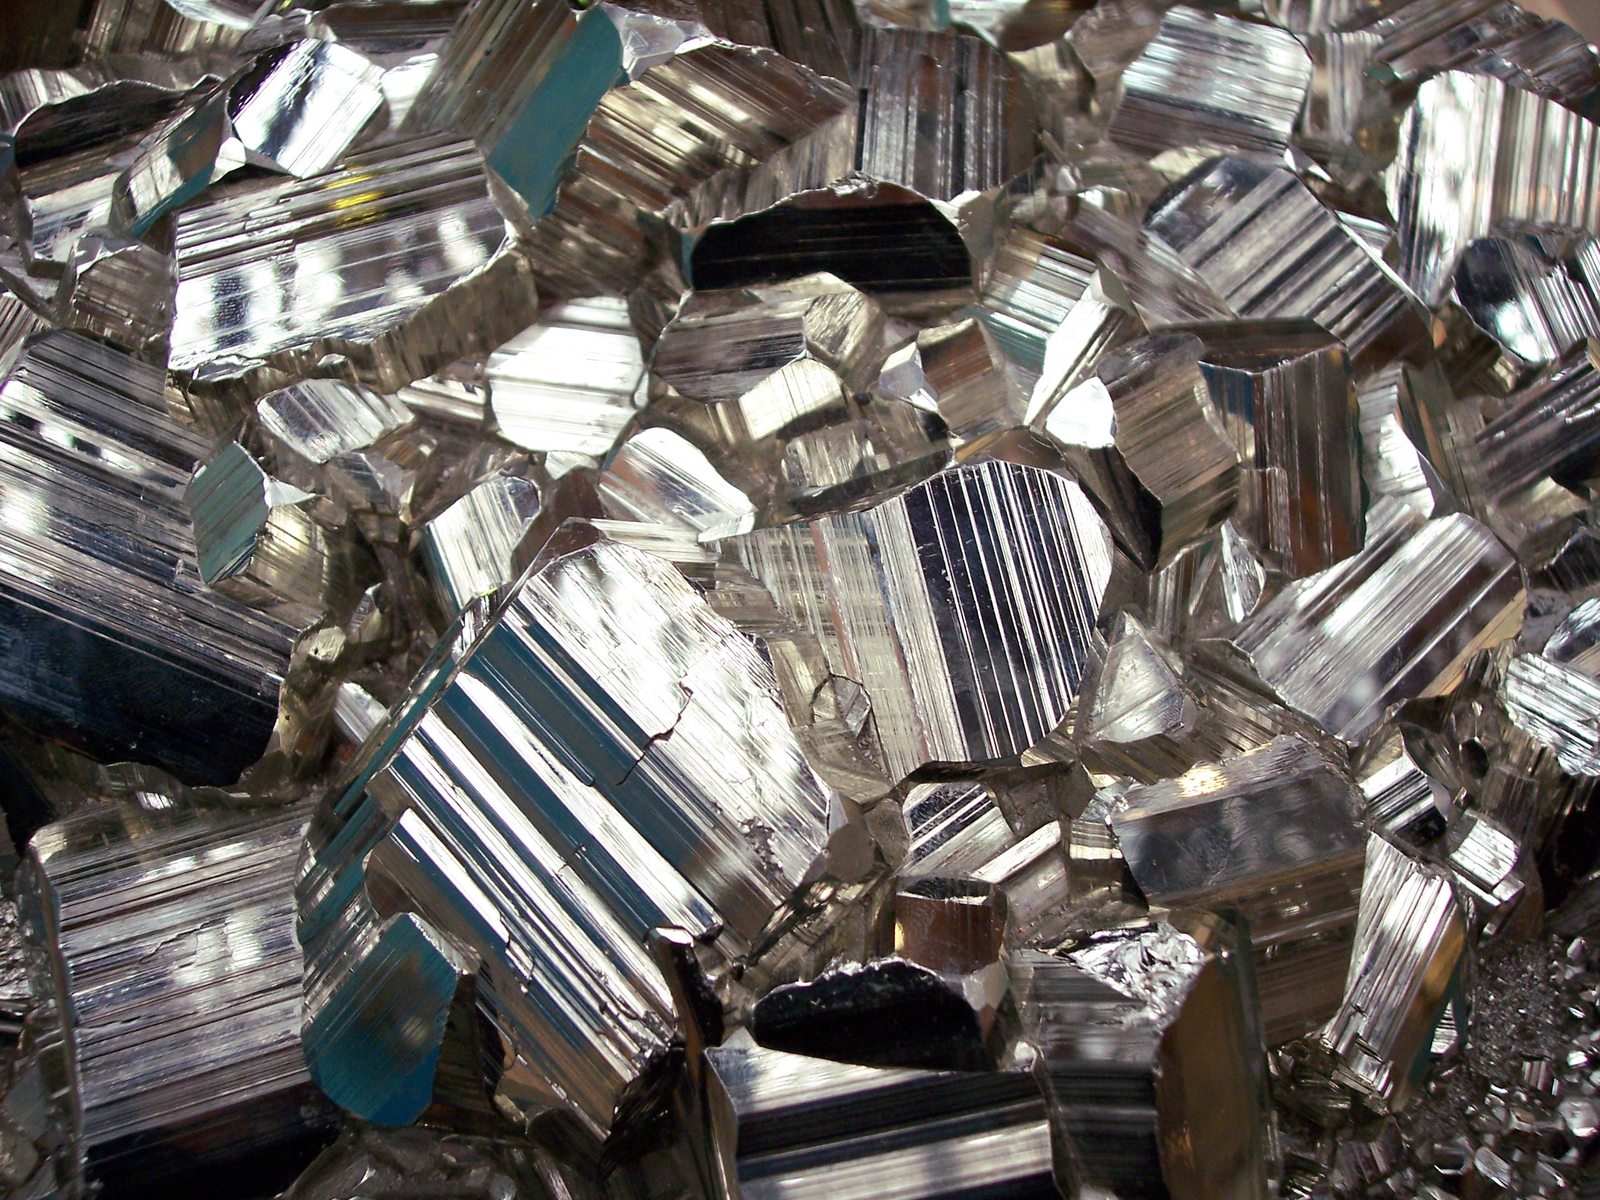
944, 600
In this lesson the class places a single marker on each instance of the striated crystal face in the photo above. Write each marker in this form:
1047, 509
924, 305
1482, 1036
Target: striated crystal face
799, 600
965, 653
584, 719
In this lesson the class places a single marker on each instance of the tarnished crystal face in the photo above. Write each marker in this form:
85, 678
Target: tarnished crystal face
799, 600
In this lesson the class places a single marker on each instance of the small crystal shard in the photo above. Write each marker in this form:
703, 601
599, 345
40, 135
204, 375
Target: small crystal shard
469, 547
1410, 939
567, 383
1533, 294
1212, 80
301, 106
1276, 834
1396, 622
962, 655
1403, 798
1151, 1053
954, 828
1137, 713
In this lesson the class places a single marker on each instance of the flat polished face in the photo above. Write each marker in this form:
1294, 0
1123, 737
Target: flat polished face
799, 599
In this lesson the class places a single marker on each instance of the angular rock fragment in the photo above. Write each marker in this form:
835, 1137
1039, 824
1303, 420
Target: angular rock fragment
732, 130
1533, 160
657, 476
1151, 1054
320, 419
1410, 943
1213, 81
1275, 834
1491, 874
958, 372
597, 757
954, 828
257, 540
786, 1127
397, 262
1576, 641
1546, 433
890, 1012
120, 291
1399, 621
566, 385
1230, 219
758, 348
964, 650
169, 938
1286, 398
114, 642
1395, 404
1145, 439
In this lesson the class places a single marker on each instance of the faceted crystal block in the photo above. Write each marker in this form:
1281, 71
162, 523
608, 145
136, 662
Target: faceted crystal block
1230, 219
1285, 394
567, 383
597, 756
1557, 706
321, 419
113, 640
1403, 798
1399, 621
468, 548
1151, 1054
943, 114
954, 828
1576, 641
1530, 160
1394, 402
1275, 834
1137, 715
301, 106
1212, 81
936, 602
398, 261
1149, 446
1410, 942
786, 1127
172, 958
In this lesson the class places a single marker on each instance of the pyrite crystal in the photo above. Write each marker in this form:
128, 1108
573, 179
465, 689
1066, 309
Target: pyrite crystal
799, 600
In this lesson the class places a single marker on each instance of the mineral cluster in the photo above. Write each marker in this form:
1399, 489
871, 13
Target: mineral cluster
799, 600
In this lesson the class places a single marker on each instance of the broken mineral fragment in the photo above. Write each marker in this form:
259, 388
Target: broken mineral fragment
598, 756
966, 653
1150, 1049
299, 107
167, 937
785, 1127
1274, 834
1143, 436
1137, 715
1398, 621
